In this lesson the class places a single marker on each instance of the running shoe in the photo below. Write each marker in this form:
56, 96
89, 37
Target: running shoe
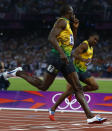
12, 73
96, 120
51, 115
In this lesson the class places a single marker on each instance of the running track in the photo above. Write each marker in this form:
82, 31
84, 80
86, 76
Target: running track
11, 120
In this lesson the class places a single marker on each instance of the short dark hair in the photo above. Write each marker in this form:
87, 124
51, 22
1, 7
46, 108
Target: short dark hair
64, 9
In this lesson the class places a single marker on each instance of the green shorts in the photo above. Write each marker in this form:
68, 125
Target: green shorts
55, 65
84, 75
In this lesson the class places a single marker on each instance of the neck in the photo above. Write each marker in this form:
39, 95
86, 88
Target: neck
89, 43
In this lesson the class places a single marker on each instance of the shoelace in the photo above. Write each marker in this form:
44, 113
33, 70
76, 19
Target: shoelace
98, 117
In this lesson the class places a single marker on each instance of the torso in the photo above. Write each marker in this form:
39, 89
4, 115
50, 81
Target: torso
65, 39
88, 54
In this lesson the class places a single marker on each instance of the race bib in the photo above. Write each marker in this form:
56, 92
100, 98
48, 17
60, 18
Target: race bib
71, 40
50, 68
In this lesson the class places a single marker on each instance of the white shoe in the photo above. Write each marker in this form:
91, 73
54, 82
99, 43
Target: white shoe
12, 73
96, 120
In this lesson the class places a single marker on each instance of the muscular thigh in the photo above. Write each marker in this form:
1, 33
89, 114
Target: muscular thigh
54, 64
67, 69
84, 76
90, 81
73, 80
48, 79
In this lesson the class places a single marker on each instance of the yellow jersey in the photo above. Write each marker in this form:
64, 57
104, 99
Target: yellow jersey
88, 54
65, 39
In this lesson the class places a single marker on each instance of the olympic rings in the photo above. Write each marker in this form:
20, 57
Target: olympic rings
74, 105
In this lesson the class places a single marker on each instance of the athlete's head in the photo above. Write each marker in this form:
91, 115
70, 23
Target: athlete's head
93, 39
67, 11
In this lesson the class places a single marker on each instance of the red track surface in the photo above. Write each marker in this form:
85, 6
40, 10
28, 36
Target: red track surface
39, 121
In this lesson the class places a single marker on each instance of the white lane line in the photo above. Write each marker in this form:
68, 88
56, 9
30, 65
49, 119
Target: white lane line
15, 129
33, 112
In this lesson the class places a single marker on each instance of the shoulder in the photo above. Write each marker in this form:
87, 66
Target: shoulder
84, 44
60, 23
85, 41
82, 47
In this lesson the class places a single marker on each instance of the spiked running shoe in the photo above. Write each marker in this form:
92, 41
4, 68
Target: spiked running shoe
12, 73
96, 120
51, 115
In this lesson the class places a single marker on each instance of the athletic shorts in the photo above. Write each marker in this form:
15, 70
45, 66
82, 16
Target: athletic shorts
84, 75
55, 65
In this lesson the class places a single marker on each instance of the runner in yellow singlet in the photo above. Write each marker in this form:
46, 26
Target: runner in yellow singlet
86, 56
65, 38
82, 57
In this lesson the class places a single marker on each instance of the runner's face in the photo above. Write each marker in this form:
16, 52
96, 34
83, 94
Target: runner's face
71, 13
94, 40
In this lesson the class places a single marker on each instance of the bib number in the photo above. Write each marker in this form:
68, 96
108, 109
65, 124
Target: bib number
71, 40
51, 68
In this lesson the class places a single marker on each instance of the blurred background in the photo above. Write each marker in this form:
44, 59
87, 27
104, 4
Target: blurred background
25, 25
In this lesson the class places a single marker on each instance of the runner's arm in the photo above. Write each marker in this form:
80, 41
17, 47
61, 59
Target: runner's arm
58, 27
75, 25
79, 50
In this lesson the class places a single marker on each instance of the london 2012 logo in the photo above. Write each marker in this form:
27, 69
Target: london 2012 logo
72, 105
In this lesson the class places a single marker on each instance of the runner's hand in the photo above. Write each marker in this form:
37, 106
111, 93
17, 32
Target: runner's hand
76, 23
